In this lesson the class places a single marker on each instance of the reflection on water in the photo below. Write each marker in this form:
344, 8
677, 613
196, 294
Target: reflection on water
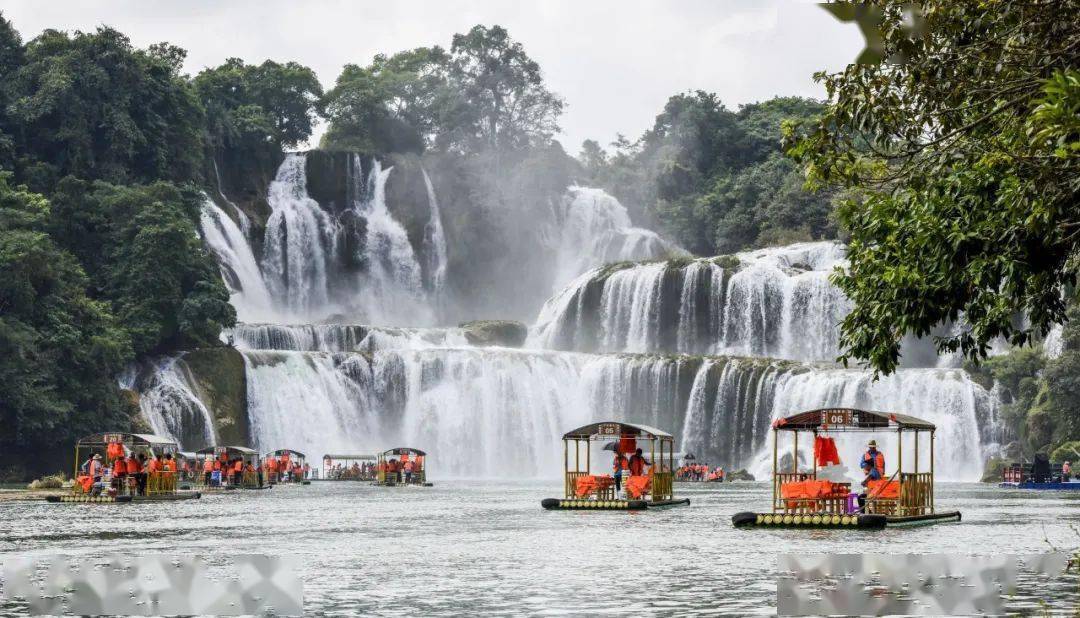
471, 547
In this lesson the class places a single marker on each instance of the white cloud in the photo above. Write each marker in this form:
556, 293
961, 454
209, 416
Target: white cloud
615, 61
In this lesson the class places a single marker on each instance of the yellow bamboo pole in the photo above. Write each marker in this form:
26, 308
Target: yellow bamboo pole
577, 455
931, 470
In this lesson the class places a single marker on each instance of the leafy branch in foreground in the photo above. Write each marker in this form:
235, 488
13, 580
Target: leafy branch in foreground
965, 164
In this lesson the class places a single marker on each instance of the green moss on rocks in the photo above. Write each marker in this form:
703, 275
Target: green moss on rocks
992, 472
218, 374
727, 262
505, 333
740, 475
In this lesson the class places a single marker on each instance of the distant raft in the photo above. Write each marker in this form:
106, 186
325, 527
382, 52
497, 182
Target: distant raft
586, 491
803, 500
402, 467
121, 468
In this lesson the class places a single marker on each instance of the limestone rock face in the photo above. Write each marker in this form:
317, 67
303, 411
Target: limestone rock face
221, 384
503, 333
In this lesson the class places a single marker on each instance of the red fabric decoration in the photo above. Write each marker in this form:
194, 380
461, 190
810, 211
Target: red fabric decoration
627, 445
825, 452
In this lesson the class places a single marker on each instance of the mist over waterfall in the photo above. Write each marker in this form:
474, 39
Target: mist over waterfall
594, 229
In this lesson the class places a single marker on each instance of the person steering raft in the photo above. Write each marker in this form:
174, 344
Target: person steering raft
873, 467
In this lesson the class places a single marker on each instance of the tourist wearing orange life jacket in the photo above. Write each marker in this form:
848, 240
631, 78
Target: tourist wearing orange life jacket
119, 472
638, 463
619, 466
238, 471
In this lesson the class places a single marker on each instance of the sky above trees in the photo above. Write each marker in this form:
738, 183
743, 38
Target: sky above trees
614, 62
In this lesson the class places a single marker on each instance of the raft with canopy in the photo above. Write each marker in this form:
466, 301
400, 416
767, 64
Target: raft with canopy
803, 499
391, 464
584, 490
280, 464
337, 467
1039, 475
251, 475
147, 483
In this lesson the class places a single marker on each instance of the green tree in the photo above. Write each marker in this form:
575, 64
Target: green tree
59, 349
505, 102
396, 104
253, 112
91, 105
964, 159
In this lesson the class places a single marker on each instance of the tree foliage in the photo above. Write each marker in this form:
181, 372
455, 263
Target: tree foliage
91, 105
965, 160
485, 93
59, 348
715, 179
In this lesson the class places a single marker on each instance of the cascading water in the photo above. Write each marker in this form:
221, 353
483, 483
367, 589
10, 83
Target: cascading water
339, 337
239, 269
434, 242
497, 412
168, 401
389, 289
595, 229
299, 242
776, 303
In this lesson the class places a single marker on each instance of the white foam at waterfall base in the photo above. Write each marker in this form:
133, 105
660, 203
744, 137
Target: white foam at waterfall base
247, 290
313, 403
593, 229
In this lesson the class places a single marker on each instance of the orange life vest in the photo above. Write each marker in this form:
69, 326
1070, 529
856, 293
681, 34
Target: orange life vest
879, 461
207, 465
238, 466
119, 467
620, 463
217, 464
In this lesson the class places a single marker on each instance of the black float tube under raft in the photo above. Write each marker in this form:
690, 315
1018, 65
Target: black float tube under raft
557, 504
858, 522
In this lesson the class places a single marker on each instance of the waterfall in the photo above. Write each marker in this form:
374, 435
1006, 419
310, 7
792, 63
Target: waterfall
314, 403
389, 289
434, 242
228, 243
169, 403
498, 412
340, 337
298, 243
595, 229
776, 303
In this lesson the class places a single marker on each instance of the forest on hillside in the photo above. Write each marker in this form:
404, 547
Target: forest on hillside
954, 184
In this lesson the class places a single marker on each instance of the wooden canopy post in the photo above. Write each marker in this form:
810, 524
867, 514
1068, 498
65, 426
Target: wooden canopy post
566, 466
813, 455
900, 453
931, 470
795, 453
916, 470
588, 457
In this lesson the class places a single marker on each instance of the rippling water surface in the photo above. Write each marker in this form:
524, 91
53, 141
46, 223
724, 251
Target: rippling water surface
468, 546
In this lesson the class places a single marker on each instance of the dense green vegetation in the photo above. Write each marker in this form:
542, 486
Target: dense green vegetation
962, 154
716, 180
102, 148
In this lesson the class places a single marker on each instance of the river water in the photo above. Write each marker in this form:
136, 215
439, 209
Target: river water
471, 547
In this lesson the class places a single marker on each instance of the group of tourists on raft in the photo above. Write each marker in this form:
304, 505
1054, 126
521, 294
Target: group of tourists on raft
221, 471
403, 468
126, 472
357, 471
698, 473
